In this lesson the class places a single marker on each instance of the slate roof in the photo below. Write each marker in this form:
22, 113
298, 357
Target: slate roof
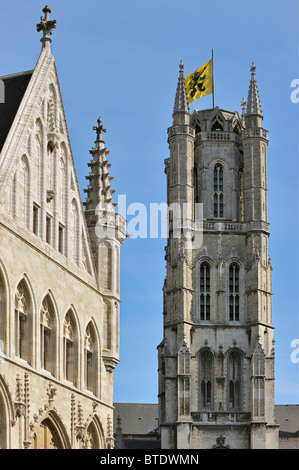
15, 87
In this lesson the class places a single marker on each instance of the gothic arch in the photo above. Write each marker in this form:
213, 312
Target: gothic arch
49, 333
204, 281
236, 290
94, 425
221, 192
206, 378
217, 119
4, 311
53, 422
92, 352
24, 319
236, 124
198, 124
234, 375
7, 417
72, 340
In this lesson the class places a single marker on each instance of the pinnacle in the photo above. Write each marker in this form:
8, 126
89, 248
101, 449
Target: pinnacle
253, 100
99, 189
46, 26
181, 101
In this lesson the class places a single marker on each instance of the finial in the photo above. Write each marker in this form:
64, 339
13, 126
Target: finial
99, 129
252, 68
181, 65
46, 25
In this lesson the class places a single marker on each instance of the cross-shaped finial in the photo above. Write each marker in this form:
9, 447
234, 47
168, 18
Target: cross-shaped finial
99, 129
46, 25
253, 68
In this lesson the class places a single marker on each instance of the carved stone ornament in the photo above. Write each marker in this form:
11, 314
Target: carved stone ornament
220, 443
46, 25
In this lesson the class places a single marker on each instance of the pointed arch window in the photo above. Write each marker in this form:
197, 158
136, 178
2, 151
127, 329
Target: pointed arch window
234, 380
90, 359
234, 292
218, 191
205, 296
22, 322
217, 124
47, 336
206, 380
70, 348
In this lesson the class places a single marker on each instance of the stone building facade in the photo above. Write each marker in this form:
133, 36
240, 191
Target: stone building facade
59, 272
216, 359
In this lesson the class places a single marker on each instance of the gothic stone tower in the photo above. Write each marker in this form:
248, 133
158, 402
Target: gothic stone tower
216, 360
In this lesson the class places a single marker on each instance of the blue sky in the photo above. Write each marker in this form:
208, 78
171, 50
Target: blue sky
120, 60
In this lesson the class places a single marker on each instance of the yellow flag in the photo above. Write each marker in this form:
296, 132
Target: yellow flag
199, 83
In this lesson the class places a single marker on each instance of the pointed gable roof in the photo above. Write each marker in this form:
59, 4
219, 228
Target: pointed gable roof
15, 86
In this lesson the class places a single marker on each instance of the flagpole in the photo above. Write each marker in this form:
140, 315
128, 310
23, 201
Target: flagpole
213, 76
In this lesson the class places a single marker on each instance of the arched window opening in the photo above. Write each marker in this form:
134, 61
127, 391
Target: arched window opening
22, 322
91, 440
218, 191
234, 378
217, 124
70, 348
206, 380
90, 359
234, 292
46, 437
205, 296
47, 336
51, 169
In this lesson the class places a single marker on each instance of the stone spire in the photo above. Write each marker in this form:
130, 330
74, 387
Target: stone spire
46, 26
99, 189
253, 100
181, 101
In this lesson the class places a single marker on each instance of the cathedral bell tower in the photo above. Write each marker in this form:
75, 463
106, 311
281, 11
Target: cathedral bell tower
216, 359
